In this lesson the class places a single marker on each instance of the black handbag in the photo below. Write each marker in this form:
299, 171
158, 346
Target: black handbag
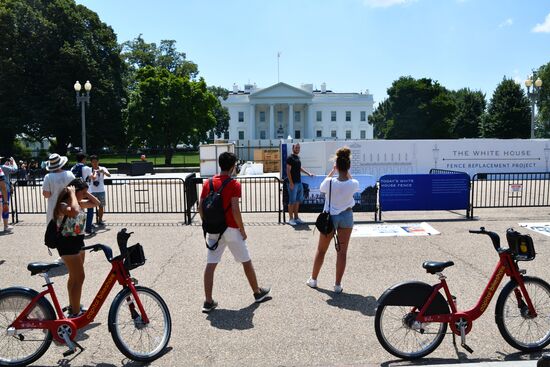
323, 222
53, 233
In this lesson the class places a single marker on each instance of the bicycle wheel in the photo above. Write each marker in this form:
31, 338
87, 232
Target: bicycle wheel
512, 315
400, 334
135, 339
27, 345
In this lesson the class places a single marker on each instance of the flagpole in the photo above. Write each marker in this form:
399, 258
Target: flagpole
278, 57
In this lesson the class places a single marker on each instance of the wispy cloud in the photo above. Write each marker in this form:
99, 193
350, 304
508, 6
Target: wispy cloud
507, 23
543, 27
385, 3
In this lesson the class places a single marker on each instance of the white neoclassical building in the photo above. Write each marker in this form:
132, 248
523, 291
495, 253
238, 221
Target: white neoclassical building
282, 110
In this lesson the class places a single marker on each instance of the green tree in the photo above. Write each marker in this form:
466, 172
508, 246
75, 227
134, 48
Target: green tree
138, 54
467, 120
542, 127
380, 118
509, 113
220, 112
46, 46
165, 109
420, 109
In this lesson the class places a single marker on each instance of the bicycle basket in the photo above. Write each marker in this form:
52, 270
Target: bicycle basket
135, 257
521, 245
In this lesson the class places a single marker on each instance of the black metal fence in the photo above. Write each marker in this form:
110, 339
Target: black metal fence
258, 195
268, 195
123, 196
437, 171
507, 190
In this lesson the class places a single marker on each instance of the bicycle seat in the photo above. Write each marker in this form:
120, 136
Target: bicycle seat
39, 267
433, 267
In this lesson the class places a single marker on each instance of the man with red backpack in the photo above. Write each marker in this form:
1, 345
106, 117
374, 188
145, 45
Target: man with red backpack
223, 227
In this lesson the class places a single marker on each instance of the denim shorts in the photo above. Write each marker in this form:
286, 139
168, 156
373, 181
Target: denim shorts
296, 195
343, 220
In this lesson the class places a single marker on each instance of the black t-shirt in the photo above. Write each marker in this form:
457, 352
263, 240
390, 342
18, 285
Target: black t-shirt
295, 168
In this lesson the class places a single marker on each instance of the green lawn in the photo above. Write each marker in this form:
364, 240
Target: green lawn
183, 159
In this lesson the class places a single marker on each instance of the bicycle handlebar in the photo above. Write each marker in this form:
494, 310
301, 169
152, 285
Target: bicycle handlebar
98, 246
122, 239
494, 237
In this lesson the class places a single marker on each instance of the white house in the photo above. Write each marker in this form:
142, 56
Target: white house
282, 110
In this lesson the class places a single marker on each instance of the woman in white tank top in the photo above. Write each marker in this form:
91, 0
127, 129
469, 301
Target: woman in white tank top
341, 188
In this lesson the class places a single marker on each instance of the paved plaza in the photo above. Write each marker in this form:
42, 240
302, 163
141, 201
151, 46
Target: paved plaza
299, 326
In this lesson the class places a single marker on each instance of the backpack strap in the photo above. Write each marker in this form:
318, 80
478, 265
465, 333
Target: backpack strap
62, 224
211, 184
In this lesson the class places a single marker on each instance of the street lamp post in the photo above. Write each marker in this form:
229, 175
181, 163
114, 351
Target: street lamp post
83, 99
533, 96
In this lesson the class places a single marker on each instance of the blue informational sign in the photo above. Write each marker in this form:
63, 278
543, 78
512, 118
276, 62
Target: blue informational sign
424, 192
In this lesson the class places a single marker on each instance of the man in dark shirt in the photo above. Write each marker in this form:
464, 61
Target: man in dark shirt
295, 189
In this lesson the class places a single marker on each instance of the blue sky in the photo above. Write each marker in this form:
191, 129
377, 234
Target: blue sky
352, 45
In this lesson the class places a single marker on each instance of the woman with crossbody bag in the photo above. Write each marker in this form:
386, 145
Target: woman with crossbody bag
339, 205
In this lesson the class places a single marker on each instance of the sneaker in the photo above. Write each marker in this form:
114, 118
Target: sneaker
299, 221
209, 306
312, 282
292, 222
73, 316
262, 295
338, 288
8, 229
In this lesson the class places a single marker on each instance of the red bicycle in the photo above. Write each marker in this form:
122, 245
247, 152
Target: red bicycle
412, 317
139, 320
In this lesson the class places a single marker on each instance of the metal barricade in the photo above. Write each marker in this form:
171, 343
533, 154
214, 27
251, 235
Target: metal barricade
122, 195
258, 195
509, 190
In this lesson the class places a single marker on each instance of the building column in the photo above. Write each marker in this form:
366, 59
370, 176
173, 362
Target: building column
309, 123
271, 121
291, 120
252, 123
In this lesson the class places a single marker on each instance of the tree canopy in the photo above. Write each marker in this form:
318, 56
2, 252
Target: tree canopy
420, 109
166, 109
47, 45
509, 113
470, 107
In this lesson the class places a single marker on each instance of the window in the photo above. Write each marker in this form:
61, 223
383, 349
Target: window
319, 115
297, 116
296, 134
280, 117
319, 134
332, 115
348, 116
262, 134
333, 133
226, 135
262, 116
363, 115
241, 116
348, 134
241, 135
363, 134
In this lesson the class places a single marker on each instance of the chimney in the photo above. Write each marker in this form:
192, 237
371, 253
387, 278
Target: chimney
308, 87
324, 87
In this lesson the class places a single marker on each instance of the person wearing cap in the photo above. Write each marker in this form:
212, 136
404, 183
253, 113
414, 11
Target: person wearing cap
55, 181
9, 167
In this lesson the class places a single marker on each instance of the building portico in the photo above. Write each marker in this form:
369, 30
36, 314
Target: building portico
282, 110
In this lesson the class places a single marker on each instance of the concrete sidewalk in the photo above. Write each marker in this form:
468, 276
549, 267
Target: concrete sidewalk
299, 326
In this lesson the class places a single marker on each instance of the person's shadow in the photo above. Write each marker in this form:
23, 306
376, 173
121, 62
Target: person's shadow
233, 319
353, 302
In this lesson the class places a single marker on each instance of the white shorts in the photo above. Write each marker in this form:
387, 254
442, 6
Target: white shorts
231, 238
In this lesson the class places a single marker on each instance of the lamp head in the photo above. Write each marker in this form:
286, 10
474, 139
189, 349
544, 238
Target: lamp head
77, 86
538, 83
88, 86
528, 83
